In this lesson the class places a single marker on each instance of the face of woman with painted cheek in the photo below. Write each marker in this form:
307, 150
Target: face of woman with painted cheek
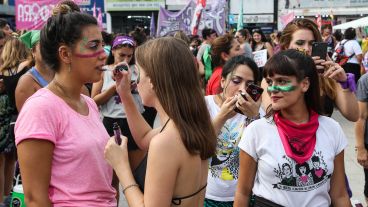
285, 91
237, 81
257, 37
88, 55
123, 54
302, 39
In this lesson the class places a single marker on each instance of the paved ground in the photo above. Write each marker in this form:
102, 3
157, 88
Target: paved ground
353, 170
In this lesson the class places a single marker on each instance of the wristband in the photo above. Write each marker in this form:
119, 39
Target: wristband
250, 120
129, 186
349, 83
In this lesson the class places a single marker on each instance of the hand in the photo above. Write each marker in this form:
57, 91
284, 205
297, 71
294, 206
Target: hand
114, 154
227, 108
318, 62
336, 72
249, 107
362, 157
122, 79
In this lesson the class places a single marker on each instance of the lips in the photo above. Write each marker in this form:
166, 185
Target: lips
275, 98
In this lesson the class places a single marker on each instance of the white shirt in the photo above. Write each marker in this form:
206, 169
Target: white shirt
279, 178
224, 166
351, 47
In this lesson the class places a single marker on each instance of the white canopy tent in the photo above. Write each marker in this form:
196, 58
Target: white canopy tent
362, 22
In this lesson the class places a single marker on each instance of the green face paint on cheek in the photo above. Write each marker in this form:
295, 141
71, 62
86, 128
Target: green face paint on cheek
287, 88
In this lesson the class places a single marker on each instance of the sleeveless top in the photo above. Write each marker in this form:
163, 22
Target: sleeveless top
113, 107
38, 77
10, 83
139, 175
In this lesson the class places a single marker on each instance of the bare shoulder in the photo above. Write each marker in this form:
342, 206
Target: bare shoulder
26, 81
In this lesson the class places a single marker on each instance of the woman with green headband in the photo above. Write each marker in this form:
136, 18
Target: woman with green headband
38, 76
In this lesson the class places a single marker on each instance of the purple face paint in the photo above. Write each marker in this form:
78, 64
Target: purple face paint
96, 54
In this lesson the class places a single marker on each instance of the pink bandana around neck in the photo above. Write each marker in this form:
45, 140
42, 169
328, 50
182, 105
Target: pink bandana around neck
298, 140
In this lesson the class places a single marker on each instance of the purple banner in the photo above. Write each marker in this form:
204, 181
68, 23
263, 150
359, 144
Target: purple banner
170, 22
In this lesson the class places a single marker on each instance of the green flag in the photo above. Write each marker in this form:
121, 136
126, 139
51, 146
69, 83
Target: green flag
240, 17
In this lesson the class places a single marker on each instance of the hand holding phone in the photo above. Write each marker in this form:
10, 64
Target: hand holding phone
121, 67
254, 91
319, 49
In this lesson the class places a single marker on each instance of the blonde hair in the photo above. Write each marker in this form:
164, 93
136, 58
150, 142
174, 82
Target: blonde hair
14, 52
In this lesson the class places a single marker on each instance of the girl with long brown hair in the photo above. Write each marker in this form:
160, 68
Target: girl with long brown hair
175, 169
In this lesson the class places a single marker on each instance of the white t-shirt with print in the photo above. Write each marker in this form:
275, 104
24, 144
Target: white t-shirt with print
279, 178
224, 166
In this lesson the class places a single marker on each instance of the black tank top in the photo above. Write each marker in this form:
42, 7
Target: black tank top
10, 82
139, 175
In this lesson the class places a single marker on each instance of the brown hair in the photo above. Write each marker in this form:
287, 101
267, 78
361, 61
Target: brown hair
219, 45
65, 7
327, 85
14, 52
176, 83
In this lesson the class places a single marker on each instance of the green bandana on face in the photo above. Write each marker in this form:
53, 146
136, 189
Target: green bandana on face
287, 88
30, 38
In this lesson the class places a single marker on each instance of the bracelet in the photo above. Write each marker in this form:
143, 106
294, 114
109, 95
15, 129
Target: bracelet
349, 83
129, 186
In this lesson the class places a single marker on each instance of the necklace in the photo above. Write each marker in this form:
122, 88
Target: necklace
162, 129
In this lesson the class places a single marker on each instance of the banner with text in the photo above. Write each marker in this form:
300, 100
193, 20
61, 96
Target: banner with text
31, 15
170, 22
129, 5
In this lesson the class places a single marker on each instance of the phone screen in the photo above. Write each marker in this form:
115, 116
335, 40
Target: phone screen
319, 49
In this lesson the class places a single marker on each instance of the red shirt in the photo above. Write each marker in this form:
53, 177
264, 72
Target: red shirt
213, 85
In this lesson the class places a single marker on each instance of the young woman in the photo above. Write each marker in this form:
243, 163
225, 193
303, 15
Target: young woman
238, 73
61, 152
259, 42
336, 87
175, 170
38, 76
327, 37
12, 56
243, 37
222, 49
293, 133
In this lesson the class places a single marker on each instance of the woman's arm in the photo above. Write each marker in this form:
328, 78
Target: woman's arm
359, 134
161, 173
141, 131
269, 49
247, 173
338, 192
25, 88
347, 103
102, 97
35, 157
225, 113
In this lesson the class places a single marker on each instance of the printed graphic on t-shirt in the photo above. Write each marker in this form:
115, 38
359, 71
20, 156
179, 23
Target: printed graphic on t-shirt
225, 164
302, 177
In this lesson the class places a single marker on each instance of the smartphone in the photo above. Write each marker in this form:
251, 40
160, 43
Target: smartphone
319, 49
254, 91
120, 68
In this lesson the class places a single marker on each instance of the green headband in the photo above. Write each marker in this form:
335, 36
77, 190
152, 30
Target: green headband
30, 38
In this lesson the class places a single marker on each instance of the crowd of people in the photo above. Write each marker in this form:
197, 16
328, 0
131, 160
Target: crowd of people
201, 124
